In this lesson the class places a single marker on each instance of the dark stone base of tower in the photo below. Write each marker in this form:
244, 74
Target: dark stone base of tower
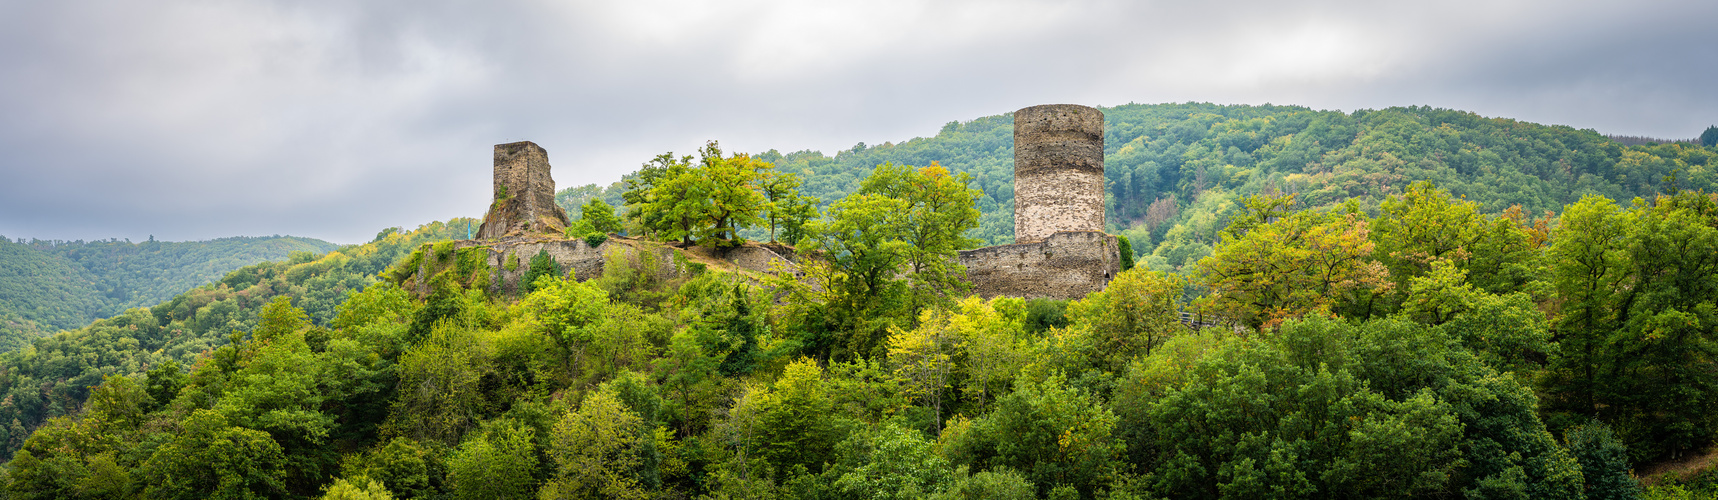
1065, 265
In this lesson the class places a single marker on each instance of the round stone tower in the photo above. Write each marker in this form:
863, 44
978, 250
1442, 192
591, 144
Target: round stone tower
1058, 170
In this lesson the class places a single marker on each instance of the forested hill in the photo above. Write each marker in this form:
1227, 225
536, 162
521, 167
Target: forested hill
54, 285
1411, 341
52, 376
1172, 165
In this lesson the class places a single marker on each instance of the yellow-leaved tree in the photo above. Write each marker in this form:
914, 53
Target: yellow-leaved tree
1272, 266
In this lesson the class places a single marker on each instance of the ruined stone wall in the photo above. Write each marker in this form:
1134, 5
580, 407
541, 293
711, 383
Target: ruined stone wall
585, 262
1065, 265
524, 194
1058, 170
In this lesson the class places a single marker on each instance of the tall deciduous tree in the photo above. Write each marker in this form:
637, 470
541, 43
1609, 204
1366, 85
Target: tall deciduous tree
787, 209
596, 451
900, 221
1273, 266
708, 201
1637, 323
1135, 313
600, 215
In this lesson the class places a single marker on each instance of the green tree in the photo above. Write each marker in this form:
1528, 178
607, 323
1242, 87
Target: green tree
1604, 462
600, 215
922, 360
789, 426
861, 238
642, 210
400, 466
1301, 263
596, 451
1636, 320
209, 458
940, 211
900, 221
1709, 137
494, 464
888, 462
1054, 434
735, 198
1135, 313
361, 488
1322, 408
707, 202
677, 202
787, 208
569, 312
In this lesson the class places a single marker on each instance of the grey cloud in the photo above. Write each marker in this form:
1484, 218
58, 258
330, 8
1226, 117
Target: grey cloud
192, 120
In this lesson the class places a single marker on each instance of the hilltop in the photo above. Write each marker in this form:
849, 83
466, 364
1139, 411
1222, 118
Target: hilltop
47, 286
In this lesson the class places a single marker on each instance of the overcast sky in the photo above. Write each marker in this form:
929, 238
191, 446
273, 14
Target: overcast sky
334, 119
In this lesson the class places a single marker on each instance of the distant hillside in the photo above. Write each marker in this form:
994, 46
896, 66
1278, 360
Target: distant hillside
1183, 166
46, 286
53, 376
1635, 140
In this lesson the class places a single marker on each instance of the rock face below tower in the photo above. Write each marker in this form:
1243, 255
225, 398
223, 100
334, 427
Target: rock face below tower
1058, 171
524, 194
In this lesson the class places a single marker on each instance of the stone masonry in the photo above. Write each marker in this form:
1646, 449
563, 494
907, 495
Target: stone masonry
1058, 170
524, 194
1066, 265
1060, 249
509, 259
1060, 252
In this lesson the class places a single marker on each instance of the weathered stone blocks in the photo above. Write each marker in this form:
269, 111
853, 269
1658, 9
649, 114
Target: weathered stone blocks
1058, 170
1066, 265
524, 194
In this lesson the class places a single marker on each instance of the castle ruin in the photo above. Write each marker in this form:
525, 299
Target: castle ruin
524, 194
1060, 249
1058, 171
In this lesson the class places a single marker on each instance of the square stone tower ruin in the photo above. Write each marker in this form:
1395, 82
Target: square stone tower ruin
1058, 171
524, 194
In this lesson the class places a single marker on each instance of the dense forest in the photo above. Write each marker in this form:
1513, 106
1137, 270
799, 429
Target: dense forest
52, 376
1180, 165
47, 286
1392, 323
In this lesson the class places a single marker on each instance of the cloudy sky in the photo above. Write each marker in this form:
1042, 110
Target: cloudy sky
333, 119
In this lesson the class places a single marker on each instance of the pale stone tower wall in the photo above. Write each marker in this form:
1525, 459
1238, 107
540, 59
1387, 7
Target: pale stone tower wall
524, 194
1058, 171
